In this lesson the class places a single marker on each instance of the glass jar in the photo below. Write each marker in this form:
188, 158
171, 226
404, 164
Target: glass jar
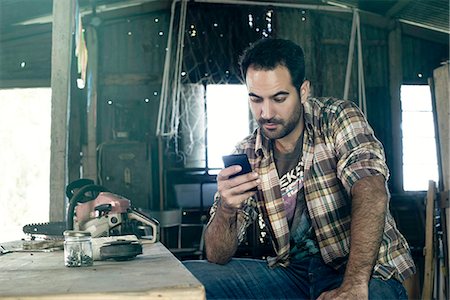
78, 249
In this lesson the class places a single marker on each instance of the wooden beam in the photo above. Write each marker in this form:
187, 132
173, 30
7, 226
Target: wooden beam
428, 280
441, 91
19, 32
90, 152
75, 126
396, 8
395, 82
111, 16
425, 34
24, 83
345, 42
130, 79
378, 21
63, 21
365, 18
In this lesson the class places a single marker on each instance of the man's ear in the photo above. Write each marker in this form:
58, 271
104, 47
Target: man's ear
304, 91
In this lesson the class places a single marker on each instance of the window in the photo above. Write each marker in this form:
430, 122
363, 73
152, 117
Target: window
25, 159
418, 137
228, 120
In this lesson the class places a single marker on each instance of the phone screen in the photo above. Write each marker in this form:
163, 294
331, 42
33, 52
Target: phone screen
237, 159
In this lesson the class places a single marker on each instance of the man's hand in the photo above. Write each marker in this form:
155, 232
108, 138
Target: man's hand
234, 191
345, 292
221, 234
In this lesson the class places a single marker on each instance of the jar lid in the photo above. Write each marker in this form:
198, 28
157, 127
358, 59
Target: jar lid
75, 233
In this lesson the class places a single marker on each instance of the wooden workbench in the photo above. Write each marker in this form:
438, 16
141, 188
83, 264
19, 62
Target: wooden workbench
154, 274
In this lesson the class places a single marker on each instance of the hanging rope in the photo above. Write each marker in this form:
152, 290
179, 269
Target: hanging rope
166, 95
356, 33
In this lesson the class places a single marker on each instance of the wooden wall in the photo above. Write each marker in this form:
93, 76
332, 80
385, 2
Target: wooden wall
31, 45
421, 57
132, 52
131, 61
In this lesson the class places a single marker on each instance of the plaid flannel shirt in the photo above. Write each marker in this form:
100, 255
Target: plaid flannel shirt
339, 148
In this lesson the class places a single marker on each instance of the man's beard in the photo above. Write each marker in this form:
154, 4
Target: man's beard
286, 126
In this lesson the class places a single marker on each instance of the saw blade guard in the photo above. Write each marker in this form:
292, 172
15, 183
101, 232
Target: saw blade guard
146, 222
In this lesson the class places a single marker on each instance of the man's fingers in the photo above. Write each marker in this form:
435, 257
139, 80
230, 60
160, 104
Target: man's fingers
227, 172
234, 191
239, 184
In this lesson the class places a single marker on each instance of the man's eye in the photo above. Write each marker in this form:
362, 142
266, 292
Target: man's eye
279, 99
255, 99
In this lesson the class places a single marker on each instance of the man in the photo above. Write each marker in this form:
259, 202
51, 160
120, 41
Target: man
321, 178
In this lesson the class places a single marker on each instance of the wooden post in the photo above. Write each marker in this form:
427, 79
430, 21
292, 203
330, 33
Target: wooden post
441, 90
441, 79
395, 81
428, 275
63, 20
90, 152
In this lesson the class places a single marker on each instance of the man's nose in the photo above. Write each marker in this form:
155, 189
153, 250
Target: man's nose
267, 111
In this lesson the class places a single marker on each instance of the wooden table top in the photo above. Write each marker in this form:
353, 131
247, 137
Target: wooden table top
154, 274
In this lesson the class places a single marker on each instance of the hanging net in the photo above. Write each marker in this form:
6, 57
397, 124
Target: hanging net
205, 42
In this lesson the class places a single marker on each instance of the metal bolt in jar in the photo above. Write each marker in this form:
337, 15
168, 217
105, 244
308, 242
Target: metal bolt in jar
78, 249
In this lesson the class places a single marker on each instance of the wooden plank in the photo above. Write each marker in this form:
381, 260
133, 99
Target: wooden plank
25, 31
90, 151
26, 59
63, 19
425, 34
444, 209
75, 126
396, 8
25, 83
345, 42
378, 21
154, 274
395, 81
442, 96
111, 14
428, 280
130, 79
441, 89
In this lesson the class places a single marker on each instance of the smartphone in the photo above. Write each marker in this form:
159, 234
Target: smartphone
237, 159
241, 160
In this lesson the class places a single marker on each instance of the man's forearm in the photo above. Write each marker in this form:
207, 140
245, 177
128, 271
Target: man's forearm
369, 204
221, 236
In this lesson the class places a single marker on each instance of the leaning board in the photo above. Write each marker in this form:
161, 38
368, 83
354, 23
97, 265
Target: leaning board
442, 97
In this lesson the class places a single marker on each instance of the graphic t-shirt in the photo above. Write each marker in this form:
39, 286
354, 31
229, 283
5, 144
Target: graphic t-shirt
290, 172
291, 184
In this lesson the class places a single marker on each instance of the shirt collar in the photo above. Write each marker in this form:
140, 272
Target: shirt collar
308, 114
262, 144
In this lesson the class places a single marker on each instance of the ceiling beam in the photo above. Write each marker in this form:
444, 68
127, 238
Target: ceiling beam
21, 32
425, 34
388, 24
396, 8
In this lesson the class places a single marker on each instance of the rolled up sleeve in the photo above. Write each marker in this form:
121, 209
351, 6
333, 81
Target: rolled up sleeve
359, 153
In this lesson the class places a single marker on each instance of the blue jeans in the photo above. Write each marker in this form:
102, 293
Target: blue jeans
244, 278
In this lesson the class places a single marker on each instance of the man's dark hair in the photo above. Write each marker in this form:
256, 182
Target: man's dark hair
268, 53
